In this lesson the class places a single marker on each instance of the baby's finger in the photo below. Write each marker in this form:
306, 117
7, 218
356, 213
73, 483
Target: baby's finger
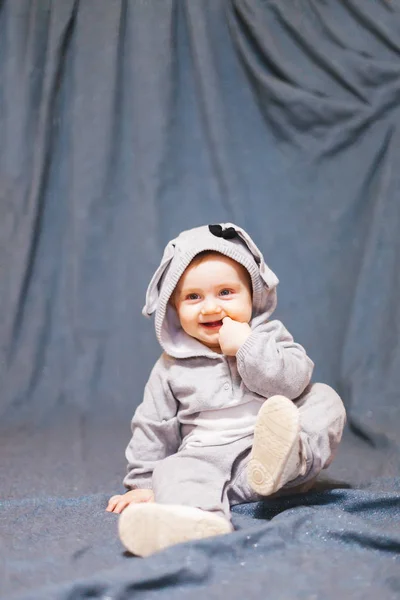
114, 499
120, 506
112, 503
226, 320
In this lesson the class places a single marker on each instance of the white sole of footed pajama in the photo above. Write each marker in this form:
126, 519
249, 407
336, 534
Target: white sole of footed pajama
276, 435
148, 528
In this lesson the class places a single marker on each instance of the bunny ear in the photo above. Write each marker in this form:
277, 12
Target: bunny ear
152, 293
267, 275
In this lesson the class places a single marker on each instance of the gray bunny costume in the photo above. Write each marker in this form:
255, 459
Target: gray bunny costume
192, 434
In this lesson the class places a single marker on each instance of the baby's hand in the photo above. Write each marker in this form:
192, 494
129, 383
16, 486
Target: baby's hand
118, 503
232, 335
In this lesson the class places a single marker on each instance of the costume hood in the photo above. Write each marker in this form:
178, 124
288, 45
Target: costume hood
226, 238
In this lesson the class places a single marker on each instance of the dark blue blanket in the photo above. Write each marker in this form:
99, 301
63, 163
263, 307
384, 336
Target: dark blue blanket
337, 543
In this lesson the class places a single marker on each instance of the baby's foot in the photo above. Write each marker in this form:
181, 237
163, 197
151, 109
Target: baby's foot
147, 528
275, 456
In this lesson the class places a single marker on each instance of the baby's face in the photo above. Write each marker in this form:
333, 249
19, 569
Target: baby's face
209, 290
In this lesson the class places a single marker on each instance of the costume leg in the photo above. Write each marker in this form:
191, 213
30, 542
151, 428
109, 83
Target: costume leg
190, 502
293, 442
322, 420
191, 479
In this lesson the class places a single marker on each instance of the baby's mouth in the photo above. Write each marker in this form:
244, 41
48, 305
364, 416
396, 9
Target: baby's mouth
212, 324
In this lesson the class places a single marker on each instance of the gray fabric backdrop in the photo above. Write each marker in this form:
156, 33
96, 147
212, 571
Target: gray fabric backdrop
124, 122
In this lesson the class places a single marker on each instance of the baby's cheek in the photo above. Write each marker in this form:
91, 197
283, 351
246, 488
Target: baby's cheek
238, 314
188, 319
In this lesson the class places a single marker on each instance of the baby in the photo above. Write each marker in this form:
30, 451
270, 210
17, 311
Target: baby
229, 414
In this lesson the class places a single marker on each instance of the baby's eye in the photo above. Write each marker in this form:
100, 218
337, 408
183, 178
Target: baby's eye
192, 297
225, 292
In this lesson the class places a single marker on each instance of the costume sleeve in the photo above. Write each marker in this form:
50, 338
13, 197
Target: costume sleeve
155, 430
270, 362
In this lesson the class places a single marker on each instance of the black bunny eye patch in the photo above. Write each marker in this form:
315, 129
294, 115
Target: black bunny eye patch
228, 234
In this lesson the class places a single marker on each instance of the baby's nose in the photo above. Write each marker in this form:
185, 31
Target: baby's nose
210, 306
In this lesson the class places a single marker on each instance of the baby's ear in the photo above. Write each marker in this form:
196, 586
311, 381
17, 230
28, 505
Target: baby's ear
153, 292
